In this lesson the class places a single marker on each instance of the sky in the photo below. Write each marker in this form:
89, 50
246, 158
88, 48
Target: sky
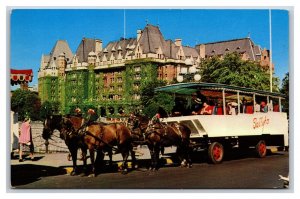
34, 32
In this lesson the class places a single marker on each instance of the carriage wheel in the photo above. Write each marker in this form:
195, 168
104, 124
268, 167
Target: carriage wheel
216, 152
261, 149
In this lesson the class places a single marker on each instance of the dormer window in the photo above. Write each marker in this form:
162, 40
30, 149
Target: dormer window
227, 49
213, 51
238, 48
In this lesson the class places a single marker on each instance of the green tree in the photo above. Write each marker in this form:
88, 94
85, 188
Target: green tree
26, 103
147, 90
285, 90
155, 102
232, 70
49, 108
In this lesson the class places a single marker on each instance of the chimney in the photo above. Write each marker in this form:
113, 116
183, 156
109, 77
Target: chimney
98, 46
138, 34
178, 42
202, 51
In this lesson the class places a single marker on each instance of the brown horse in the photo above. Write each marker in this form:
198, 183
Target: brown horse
160, 135
93, 136
104, 138
70, 133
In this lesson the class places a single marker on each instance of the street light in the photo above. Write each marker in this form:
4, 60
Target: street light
188, 74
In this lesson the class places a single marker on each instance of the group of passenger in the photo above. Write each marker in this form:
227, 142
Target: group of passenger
201, 106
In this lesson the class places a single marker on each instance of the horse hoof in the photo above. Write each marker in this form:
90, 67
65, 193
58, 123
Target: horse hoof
82, 175
190, 166
92, 175
73, 173
124, 172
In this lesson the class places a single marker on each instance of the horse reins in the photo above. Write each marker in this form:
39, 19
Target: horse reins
99, 139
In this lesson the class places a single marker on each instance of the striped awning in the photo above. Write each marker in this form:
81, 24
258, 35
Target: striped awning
20, 76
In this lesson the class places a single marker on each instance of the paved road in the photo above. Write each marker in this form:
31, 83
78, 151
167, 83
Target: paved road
240, 172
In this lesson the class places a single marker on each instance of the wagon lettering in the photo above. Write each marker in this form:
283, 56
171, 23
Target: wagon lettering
260, 122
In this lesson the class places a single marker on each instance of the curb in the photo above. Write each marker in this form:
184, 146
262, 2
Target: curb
166, 161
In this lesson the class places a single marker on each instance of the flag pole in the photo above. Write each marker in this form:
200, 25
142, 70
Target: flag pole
271, 69
124, 36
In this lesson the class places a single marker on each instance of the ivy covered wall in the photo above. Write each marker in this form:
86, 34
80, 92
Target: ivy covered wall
48, 88
76, 88
86, 88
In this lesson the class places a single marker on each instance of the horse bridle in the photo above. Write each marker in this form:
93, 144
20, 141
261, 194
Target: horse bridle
70, 130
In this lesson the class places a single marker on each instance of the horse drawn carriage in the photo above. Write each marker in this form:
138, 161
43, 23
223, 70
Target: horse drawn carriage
232, 122
224, 129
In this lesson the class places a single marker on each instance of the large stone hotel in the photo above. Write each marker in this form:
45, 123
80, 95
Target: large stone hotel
109, 77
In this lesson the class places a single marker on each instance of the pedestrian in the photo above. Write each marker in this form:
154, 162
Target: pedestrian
25, 139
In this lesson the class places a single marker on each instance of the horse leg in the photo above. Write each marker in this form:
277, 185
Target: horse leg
99, 159
134, 162
84, 158
188, 158
181, 157
73, 151
92, 156
162, 150
151, 149
125, 154
156, 157
110, 158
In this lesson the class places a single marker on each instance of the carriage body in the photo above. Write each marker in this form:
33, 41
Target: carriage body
220, 132
272, 125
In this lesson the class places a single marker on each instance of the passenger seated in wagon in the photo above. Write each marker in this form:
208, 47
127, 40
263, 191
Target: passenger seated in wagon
231, 106
197, 104
206, 109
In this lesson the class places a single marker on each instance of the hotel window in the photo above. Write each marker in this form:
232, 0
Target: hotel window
120, 88
137, 77
137, 69
136, 86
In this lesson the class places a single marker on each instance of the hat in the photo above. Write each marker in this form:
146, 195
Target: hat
198, 100
26, 118
77, 110
91, 111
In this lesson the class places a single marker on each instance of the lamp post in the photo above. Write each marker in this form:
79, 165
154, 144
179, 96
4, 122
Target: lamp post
188, 74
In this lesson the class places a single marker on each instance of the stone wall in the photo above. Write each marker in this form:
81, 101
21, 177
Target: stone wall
56, 144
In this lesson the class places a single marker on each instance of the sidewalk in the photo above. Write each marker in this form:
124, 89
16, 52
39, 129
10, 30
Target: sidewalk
61, 159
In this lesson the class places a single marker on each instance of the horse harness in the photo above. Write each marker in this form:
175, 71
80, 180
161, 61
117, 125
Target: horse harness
85, 132
153, 129
164, 127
